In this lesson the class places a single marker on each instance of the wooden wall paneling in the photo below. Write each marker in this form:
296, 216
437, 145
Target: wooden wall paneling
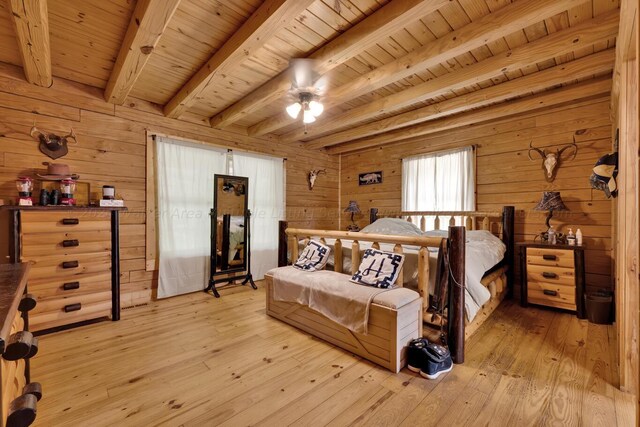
504, 170
112, 149
31, 24
147, 24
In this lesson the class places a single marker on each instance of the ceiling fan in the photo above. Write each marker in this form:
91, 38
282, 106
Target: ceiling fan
307, 86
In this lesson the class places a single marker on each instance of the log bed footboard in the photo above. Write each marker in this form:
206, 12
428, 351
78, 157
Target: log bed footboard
390, 330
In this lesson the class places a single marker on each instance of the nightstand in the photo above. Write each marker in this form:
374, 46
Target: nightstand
553, 276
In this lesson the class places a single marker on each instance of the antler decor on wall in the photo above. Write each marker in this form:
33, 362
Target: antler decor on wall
313, 174
551, 160
51, 144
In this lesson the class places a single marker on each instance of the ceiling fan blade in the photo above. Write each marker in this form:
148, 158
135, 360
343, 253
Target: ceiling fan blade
303, 74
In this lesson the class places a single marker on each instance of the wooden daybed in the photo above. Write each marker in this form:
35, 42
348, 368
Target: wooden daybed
499, 281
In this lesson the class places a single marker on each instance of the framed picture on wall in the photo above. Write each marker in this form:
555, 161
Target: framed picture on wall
369, 178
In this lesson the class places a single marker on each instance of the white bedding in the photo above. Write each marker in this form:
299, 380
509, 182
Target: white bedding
483, 251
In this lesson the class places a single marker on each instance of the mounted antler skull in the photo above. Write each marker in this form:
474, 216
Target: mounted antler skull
313, 174
51, 144
551, 160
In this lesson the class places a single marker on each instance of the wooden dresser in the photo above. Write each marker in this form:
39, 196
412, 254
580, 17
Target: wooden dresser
17, 345
74, 257
553, 276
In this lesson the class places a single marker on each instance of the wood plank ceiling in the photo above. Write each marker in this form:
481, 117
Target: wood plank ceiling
396, 69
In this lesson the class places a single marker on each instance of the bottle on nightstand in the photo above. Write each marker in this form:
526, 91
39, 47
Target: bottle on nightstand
579, 237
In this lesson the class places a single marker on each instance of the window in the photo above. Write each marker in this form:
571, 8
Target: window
442, 181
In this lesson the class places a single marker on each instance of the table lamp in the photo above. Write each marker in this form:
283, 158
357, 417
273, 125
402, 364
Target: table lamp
551, 201
354, 209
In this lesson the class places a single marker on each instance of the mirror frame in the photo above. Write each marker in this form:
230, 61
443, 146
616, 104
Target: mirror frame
214, 228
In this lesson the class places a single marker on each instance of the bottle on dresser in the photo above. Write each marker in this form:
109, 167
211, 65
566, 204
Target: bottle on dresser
579, 237
571, 238
552, 235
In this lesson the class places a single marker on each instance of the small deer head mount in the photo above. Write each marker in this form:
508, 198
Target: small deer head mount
551, 160
313, 174
51, 144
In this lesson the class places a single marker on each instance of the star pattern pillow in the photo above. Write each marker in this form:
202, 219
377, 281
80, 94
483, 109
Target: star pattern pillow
378, 268
314, 257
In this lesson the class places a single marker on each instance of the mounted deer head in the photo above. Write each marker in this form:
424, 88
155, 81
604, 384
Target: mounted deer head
313, 174
51, 144
551, 161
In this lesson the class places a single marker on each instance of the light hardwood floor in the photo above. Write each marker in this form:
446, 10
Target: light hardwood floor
194, 360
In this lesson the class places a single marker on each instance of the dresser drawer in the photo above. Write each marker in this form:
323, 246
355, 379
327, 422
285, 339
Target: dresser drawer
69, 266
81, 283
550, 257
58, 244
51, 319
554, 275
48, 222
69, 303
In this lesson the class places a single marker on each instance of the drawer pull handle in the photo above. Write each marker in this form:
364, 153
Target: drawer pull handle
27, 303
70, 286
70, 264
550, 292
72, 307
22, 411
550, 257
19, 345
70, 221
70, 243
548, 275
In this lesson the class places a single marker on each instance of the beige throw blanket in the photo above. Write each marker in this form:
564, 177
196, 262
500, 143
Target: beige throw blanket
326, 292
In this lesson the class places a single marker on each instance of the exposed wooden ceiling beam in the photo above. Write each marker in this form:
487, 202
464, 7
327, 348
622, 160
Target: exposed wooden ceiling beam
148, 22
549, 47
585, 67
269, 18
389, 19
31, 25
489, 28
546, 99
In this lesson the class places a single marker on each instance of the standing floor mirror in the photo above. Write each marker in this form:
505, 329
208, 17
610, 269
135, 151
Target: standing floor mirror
230, 233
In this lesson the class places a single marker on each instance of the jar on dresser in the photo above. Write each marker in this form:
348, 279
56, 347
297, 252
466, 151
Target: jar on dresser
75, 262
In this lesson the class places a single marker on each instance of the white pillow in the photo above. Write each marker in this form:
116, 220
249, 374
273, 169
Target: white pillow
314, 257
393, 226
378, 268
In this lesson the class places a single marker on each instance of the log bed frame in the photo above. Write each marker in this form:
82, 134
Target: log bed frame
499, 223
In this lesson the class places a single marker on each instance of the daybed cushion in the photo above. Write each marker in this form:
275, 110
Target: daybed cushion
335, 296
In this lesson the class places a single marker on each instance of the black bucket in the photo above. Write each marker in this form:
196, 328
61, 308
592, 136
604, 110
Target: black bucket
599, 306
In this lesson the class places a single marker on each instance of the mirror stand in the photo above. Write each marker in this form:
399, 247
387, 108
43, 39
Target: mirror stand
247, 277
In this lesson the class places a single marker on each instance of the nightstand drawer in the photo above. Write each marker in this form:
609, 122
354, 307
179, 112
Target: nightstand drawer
550, 257
556, 275
551, 293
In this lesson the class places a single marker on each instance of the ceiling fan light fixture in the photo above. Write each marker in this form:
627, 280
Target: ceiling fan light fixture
316, 108
293, 110
308, 117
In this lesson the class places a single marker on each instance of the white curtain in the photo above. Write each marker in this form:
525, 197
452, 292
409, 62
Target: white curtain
185, 196
266, 202
443, 181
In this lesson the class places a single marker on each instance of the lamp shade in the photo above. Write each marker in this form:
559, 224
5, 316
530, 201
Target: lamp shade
551, 201
353, 207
